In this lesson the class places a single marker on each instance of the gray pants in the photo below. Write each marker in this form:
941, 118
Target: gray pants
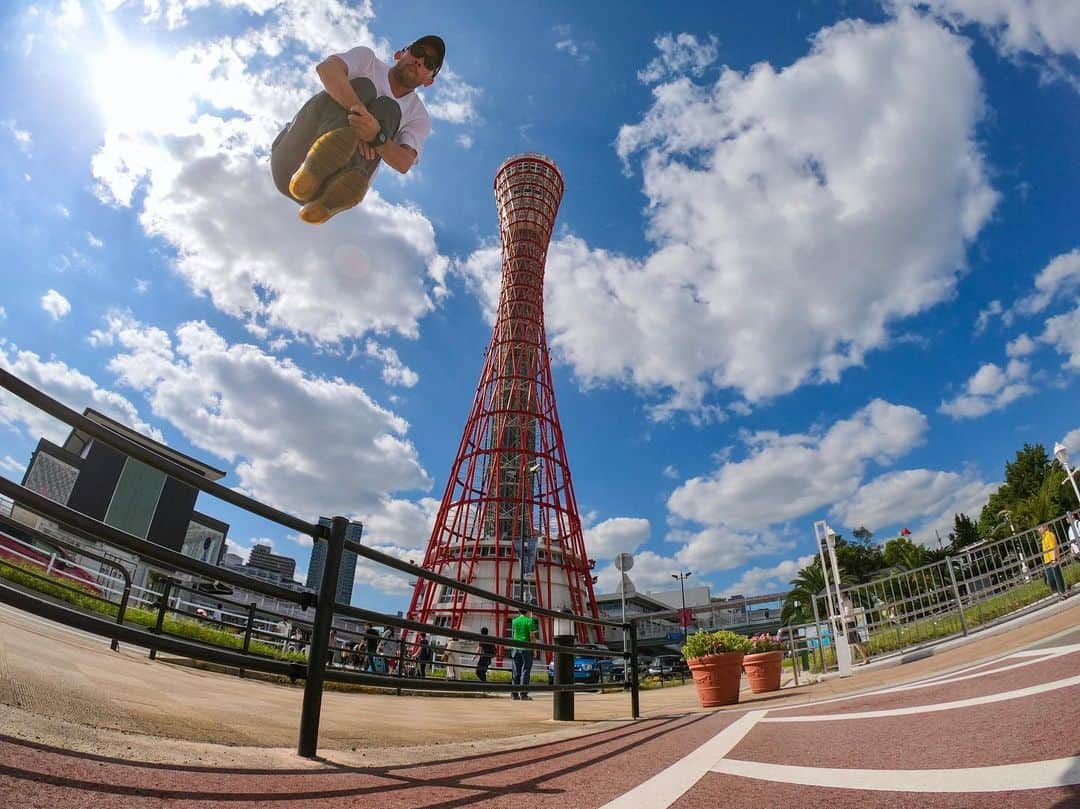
319, 115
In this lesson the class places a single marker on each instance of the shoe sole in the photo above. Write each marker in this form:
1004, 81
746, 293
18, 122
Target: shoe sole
330, 152
343, 191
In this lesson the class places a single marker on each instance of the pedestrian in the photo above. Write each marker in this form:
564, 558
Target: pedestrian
371, 647
422, 656
1052, 569
485, 651
388, 649
1074, 534
524, 629
367, 113
851, 624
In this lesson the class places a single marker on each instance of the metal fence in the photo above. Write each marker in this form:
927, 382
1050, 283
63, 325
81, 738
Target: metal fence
309, 664
908, 609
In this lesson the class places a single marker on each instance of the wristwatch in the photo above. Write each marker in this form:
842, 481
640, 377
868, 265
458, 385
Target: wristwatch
378, 140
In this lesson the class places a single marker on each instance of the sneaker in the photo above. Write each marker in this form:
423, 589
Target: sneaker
514, 696
525, 696
343, 191
330, 153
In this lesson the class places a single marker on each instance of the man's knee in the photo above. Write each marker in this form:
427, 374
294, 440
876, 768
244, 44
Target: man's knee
364, 89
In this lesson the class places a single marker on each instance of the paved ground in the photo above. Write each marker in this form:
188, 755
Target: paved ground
994, 721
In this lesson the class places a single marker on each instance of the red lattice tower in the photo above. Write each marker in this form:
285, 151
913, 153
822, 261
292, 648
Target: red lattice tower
511, 478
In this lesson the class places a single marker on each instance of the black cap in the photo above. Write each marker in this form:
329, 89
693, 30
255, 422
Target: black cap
436, 44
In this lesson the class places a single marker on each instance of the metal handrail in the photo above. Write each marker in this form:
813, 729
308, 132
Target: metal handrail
325, 608
46, 403
151, 550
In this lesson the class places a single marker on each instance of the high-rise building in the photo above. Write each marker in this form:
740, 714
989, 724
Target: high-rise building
508, 521
343, 592
262, 556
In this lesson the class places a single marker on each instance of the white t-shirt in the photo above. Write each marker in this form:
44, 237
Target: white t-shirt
415, 123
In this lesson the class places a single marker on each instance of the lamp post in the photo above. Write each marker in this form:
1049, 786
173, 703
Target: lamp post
1007, 515
1062, 456
682, 577
526, 521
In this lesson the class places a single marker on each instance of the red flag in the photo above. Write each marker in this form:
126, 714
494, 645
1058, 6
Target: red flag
904, 532
686, 617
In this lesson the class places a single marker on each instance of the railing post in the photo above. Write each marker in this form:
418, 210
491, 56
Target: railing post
247, 631
115, 645
956, 594
794, 662
163, 606
320, 640
632, 673
562, 704
400, 660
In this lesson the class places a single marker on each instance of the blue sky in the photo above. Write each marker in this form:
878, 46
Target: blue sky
813, 261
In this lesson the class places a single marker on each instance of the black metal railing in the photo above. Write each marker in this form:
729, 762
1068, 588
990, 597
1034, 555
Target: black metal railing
314, 671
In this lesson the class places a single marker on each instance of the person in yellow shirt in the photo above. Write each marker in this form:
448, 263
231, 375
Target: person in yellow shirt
1050, 560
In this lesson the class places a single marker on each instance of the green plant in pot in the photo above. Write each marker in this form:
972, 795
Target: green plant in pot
763, 663
715, 660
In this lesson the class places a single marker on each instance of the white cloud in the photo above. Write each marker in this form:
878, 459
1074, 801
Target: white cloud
992, 310
580, 50
990, 388
616, 535
142, 286
394, 372
652, 572
1022, 346
1072, 444
376, 268
788, 476
22, 137
93, 240
912, 495
1044, 28
63, 211
1063, 333
309, 445
465, 141
775, 579
3, 313
671, 472
69, 386
55, 304
10, 465
1058, 278
452, 99
680, 54
796, 214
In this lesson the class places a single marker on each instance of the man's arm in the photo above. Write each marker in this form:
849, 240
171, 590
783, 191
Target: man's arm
398, 157
334, 74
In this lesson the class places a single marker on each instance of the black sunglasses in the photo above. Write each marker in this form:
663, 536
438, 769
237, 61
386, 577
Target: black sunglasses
431, 60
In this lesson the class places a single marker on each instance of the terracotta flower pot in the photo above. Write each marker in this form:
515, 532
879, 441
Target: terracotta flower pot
717, 678
763, 670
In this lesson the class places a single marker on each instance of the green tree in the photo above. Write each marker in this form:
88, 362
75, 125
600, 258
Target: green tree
964, 532
858, 560
902, 553
863, 534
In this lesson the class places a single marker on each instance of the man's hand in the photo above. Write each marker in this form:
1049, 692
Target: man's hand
366, 128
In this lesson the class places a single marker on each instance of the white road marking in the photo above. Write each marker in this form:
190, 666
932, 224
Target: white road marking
938, 706
1034, 775
667, 786
942, 679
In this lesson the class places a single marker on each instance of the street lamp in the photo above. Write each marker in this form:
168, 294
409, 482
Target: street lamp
682, 577
1062, 455
526, 521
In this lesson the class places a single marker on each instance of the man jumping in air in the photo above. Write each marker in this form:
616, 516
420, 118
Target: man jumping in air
368, 113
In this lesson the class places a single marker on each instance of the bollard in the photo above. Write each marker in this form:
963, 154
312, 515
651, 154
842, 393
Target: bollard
562, 707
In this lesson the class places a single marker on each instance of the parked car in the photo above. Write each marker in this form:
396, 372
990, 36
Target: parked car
588, 668
668, 666
18, 549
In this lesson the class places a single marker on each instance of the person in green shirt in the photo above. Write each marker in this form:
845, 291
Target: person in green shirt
524, 629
